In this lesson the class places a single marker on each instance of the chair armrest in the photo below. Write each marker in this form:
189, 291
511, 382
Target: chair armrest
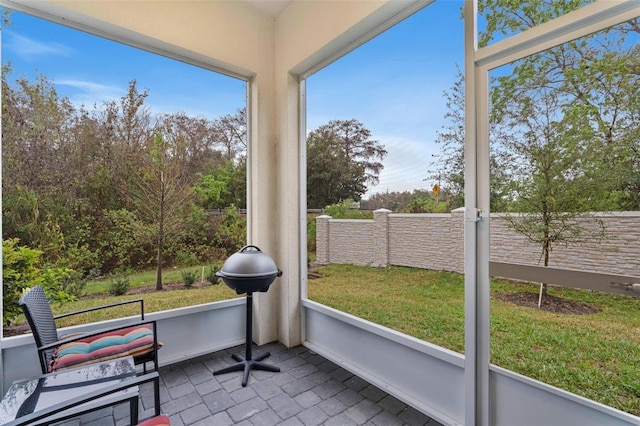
111, 305
107, 390
97, 332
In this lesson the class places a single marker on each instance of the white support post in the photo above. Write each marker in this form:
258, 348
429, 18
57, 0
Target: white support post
476, 234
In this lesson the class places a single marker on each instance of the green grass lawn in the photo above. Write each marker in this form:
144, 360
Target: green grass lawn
97, 290
596, 355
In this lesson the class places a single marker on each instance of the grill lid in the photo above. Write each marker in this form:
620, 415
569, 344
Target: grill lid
249, 262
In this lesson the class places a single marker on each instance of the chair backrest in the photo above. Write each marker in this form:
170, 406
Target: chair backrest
36, 308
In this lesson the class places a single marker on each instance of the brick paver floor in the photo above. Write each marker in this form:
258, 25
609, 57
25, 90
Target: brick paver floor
309, 390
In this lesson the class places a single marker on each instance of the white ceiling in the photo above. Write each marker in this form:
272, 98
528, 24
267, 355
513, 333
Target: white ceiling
272, 8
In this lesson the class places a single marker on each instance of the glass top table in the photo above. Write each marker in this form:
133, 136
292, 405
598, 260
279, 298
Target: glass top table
31, 395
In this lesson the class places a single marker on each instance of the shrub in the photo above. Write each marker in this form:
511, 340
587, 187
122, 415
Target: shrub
189, 277
20, 271
343, 210
211, 273
231, 231
125, 241
311, 236
425, 205
186, 258
119, 286
74, 283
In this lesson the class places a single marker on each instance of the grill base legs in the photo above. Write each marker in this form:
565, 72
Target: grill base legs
247, 363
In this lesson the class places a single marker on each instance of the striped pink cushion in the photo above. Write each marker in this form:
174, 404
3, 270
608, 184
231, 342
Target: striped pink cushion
156, 421
132, 341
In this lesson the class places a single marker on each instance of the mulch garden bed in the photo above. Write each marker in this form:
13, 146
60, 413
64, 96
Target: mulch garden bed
549, 303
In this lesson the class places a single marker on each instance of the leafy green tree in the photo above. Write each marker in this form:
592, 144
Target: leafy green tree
237, 182
596, 87
35, 130
571, 110
331, 177
54, 176
563, 127
508, 17
74, 178
223, 186
550, 185
125, 241
355, 142
395, 200
342, 159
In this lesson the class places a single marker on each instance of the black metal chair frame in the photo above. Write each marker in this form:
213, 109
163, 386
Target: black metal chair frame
38, 312
108, 390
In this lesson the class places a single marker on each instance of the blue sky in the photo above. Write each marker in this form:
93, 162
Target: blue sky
392, 84
89, 69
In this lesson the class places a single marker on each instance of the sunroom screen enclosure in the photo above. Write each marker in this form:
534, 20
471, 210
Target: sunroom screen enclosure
275, 53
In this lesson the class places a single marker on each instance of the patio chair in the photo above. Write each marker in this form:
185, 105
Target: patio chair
56, 353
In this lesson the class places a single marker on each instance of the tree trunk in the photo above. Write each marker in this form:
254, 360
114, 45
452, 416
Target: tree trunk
159, 264
160, 244
546, 246
545, 257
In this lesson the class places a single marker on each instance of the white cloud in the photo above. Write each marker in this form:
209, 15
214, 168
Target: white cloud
29, 49
82, 92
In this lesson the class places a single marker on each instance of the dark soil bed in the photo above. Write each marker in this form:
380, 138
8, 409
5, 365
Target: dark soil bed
549, 303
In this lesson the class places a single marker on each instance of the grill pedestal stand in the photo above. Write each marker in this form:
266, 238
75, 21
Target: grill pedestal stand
247, 363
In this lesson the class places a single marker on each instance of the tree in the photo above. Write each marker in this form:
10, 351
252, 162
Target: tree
35, 121
160, 193
597, 85
224, 186
354, 139
6, 17
331, 177
195, 137
74, 178
230, 131
448, 166
394, 200
342, 159
572, 110
563, 127
39, 186
549, 185
447, 169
